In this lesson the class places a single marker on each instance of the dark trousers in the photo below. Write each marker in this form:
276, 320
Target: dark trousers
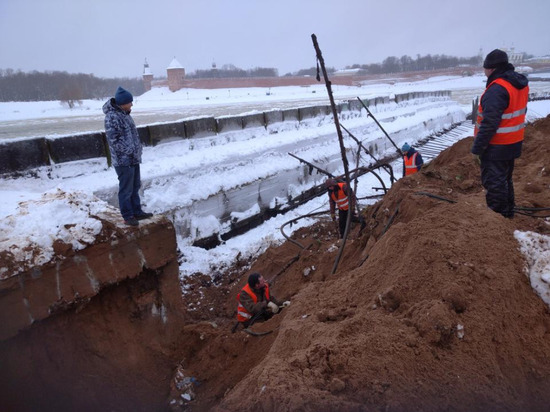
129, 182
496, 177
343, 218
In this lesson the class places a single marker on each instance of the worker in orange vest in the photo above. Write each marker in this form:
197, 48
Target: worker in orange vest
339, 196
412, 160
255, 302
499, 130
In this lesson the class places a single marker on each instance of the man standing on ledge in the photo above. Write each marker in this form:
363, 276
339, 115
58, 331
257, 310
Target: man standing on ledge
125, 148
499, 130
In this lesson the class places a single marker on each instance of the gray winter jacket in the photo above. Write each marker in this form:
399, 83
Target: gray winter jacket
122, 135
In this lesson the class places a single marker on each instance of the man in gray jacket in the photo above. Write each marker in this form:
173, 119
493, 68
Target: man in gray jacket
125, 148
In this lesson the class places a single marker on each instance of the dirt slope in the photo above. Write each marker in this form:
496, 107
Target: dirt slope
430, 309
431, 312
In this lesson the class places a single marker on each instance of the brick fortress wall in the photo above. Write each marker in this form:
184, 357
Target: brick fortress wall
178, 80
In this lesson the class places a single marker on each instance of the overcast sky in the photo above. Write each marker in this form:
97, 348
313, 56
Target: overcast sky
112, 38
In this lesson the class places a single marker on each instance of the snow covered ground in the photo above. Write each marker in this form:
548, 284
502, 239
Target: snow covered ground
179, 177
187, 103
39, 119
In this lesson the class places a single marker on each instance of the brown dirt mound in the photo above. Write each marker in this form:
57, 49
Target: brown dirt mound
430, 308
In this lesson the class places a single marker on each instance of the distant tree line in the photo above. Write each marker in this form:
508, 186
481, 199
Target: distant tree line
69, 88
72, 88
230, 71
405, 63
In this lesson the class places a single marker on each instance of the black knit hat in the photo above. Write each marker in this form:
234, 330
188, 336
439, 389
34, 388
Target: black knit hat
253, 279
495, 59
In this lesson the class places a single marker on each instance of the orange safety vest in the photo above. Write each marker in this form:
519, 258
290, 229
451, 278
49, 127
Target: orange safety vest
410, 164
242, 314
512, 124
342, 199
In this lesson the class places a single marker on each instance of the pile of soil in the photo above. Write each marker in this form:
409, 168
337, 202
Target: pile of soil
429, 309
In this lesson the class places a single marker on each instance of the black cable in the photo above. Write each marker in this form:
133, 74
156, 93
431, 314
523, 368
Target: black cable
530, 214
435, 196
295, 220
391, 218
525, 211
370, 197
534, 209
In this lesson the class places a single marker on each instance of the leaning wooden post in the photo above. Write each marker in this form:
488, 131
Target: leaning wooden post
321, 61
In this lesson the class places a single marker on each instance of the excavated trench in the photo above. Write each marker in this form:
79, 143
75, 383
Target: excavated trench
85, 348
121, 348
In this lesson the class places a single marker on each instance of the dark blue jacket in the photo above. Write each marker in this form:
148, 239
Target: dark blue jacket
122, 135
418, 161
494, 102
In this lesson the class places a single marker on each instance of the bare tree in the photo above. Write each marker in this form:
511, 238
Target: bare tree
71, 94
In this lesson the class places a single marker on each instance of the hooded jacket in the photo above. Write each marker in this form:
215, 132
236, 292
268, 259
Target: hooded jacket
122, 135
494, 102
418, 162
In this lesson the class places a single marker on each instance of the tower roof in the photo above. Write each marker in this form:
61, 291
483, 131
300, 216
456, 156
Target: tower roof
146, 69
174, 64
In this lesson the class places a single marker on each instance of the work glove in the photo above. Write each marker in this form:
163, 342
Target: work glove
477, 159
273, 307
286, 303
333, 217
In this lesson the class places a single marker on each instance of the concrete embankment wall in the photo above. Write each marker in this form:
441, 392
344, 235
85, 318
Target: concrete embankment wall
20, 155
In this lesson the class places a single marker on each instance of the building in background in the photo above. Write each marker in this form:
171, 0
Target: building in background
147, 76
514, 57
175, 77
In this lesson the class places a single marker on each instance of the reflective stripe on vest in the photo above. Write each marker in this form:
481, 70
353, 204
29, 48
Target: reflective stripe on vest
512, 124
342, 199
242, 314
410, 164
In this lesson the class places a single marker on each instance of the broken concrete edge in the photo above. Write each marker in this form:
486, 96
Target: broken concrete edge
67, 283
24, 154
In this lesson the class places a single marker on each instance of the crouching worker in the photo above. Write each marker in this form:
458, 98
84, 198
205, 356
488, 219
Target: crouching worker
255, 302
